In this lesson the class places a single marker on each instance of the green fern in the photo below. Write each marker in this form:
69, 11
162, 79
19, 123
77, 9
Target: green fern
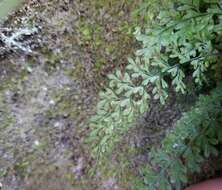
186, 146
181, 39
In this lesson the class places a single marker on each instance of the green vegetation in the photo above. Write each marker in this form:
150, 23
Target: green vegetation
193, 140
180, 40
47, 97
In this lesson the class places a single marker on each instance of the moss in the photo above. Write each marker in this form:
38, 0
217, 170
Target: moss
52, 59
50, 177
100, 62
76, 71
118, 167
105, 36
86, 32
6, 119
96, 43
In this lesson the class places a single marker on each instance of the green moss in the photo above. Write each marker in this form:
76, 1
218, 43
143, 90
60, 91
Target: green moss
6, 119
100, 62
21, 167
108, 38
76, 71
86, 32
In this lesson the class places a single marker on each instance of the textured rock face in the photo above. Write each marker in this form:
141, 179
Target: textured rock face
48, 93
215, 184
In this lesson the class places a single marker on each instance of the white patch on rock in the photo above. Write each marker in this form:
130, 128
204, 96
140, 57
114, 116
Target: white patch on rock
36, 143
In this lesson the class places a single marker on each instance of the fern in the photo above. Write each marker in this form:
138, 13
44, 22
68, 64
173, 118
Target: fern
183, 38
186, 146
